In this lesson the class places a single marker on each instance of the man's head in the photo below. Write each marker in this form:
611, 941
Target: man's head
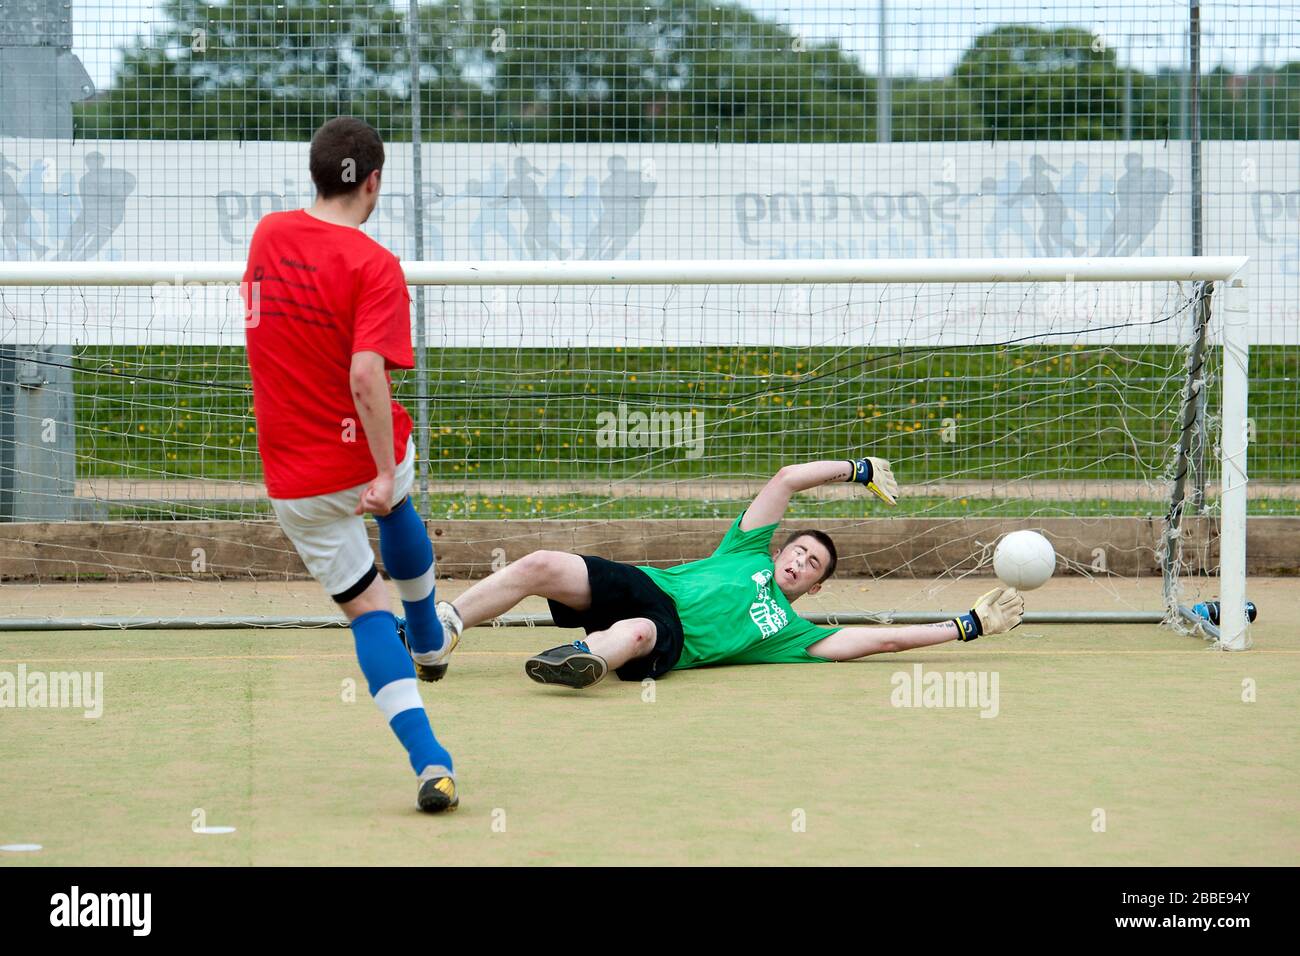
346, 161
805, 560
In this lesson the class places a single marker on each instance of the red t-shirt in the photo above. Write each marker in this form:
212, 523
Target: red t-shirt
323, 292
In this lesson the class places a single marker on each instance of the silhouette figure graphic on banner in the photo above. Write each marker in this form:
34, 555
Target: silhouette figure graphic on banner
1140, 196
17, 214
539, 220
623, 199
103, 193
1052, 218
1005, 218
493, 217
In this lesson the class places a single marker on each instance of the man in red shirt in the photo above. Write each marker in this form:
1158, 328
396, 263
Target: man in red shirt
328, 315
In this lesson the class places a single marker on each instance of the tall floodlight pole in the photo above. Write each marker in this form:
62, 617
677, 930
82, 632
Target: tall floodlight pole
884, 107
1263, 85
1259, 90
1128, 87
1183, 83
1194, 106
417, 223
1147, 39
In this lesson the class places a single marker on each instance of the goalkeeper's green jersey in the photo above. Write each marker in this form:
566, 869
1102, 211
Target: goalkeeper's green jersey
731, 610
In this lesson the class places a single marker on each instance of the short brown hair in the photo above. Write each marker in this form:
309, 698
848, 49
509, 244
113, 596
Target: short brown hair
822, 538
343, 153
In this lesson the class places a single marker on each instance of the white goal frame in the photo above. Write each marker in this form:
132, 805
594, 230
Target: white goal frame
1231, 333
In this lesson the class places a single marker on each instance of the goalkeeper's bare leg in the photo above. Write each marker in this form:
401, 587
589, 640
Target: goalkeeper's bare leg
556, 575
540, 573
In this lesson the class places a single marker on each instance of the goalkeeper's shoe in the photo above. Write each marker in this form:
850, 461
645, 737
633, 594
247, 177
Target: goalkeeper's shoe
450, 620
572, 665
996, 612
437, 669
437, 791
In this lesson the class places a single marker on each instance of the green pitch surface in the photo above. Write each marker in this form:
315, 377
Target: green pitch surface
804, 764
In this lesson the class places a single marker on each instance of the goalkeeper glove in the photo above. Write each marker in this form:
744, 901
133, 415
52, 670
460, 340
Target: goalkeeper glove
877, 476
995, 613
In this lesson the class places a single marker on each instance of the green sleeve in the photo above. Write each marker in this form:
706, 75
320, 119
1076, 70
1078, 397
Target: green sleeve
787, 646
735, 541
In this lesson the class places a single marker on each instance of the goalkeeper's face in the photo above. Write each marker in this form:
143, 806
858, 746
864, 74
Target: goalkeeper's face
801, 567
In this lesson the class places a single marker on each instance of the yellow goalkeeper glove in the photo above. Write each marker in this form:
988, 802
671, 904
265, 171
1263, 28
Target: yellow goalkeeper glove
877, 476
994, 613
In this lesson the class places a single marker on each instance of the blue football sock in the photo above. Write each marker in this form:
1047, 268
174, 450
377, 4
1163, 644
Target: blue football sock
391, 677
408, 559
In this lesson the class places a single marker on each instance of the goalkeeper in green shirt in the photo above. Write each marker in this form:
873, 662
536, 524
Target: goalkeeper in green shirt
733, 607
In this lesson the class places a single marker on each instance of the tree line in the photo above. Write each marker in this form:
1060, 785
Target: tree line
682, 71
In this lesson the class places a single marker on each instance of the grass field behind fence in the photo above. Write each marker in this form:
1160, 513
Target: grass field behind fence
539, 414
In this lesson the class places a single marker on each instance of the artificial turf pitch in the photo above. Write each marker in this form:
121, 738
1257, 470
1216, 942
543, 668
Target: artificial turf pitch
804, 764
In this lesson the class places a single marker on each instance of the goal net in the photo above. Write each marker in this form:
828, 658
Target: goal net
632, 409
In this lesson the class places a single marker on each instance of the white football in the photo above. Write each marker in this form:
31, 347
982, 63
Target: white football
1024, 560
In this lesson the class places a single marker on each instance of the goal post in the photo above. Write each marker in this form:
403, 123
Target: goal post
1065, 385
1234, 627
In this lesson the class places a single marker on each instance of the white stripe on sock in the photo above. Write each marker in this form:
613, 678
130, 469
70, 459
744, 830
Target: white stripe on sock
400, 695
416, 589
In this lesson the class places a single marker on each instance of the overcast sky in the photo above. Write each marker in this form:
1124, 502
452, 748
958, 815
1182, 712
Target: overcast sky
926, 37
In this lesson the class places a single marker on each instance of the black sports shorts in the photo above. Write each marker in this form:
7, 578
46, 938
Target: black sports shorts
621, 591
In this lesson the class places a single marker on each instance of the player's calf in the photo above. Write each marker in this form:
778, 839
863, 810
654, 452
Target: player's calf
391, 680
409, 560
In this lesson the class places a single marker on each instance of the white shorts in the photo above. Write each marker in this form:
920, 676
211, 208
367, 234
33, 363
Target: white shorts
329, 536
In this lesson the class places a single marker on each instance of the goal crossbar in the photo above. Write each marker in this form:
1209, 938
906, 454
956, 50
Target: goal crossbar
676, 272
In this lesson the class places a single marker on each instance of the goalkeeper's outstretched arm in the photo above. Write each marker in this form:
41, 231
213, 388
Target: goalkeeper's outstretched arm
996, 612
768, 507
